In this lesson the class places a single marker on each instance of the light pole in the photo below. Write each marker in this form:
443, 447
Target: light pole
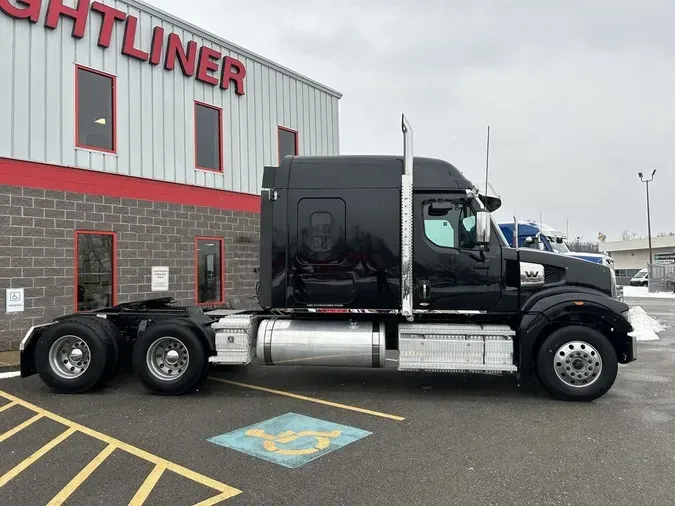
649, 221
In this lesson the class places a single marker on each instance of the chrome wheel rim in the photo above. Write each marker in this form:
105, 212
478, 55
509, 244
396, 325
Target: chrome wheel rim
69, 357
167, 358
577, 364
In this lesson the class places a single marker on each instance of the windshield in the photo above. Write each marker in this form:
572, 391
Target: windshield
558, 247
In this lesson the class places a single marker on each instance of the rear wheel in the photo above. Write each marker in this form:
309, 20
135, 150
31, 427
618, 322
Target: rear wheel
75, 355
170, 359
577, 363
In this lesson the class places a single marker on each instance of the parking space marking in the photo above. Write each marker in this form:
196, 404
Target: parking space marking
7, 406
224, 491
311, 399
20, 427
16, 470
73, 485
290, 440
144, 491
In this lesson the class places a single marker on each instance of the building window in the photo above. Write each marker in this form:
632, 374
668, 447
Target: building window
95, 115
210, 272
288, 142
95, 266
208, 137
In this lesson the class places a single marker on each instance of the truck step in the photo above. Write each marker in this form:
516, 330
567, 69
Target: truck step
438, 347
234, 339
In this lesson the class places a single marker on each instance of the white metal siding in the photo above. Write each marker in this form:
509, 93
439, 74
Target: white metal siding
155, 107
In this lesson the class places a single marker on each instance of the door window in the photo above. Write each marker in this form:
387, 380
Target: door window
450, 225
440, 232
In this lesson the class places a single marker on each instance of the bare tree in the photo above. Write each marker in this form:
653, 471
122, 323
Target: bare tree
627, 235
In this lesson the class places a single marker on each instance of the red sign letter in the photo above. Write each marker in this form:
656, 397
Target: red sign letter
108, 17
129, 38
206, 64
227, 75
79, 15
175, 48
156, 47
31, 11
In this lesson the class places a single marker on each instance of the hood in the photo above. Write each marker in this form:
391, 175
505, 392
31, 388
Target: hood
571, 270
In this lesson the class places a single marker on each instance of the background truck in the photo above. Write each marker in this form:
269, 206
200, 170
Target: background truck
363, 257
532, 234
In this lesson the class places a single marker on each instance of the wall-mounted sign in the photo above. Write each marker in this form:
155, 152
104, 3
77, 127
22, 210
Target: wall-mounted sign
201, 62
14, 300
664, 258
160, 279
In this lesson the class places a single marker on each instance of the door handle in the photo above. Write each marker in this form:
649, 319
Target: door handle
424, 296
485, 264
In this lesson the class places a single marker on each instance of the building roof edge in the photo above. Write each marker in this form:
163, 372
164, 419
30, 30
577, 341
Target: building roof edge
160, 13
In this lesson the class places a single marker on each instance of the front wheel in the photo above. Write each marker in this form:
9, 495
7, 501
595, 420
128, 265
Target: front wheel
170, 359
577, 363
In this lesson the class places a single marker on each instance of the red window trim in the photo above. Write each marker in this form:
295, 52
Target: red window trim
219, 110
113, 78
297, 141
222, 269
114, 262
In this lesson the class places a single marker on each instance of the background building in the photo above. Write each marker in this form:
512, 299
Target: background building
131, 140
631, 256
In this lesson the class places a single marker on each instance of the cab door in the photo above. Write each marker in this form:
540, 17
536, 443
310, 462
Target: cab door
451, 272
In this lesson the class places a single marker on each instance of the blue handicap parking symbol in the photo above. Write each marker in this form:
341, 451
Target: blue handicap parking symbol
290, 440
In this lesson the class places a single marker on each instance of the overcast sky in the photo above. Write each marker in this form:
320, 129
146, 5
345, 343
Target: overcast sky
580, 95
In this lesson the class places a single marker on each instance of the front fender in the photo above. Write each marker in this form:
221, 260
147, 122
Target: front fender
544, 312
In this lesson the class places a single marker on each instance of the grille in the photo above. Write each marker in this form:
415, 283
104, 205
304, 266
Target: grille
553, 275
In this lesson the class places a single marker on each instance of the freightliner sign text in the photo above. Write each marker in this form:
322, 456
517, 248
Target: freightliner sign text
201, 62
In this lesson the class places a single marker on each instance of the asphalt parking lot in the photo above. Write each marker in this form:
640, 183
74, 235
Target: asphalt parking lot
397, 439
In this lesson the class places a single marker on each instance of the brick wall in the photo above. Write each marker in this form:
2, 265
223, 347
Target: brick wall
37, 247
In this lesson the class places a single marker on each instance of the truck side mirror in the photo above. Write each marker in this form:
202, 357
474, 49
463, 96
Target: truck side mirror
483, 226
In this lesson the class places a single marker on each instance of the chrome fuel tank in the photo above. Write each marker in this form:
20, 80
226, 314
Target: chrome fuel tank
335, 343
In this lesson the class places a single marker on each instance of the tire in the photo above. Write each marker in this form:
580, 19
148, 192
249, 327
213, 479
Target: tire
584, 351
114, 334
67, 375
160, 374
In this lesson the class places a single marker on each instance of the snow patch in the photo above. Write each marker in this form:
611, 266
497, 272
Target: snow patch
643, 291
645, 326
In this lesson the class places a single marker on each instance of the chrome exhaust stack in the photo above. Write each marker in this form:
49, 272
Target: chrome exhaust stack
407, 222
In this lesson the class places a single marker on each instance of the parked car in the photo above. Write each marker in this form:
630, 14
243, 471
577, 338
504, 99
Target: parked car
640, 279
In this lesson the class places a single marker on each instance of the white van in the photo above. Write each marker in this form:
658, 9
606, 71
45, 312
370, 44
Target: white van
640, 279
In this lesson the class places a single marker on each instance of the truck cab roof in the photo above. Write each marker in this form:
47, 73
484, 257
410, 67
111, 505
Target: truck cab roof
362, 171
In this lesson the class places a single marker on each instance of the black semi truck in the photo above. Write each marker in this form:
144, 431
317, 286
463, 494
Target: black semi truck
360, 257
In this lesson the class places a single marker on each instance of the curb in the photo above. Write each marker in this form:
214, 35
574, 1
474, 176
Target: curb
9, 367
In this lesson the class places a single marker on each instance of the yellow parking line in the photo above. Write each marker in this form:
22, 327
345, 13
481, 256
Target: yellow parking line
149, 483
12, 473
7, 406
81, 477
20, 427
311, 399
225, 490
213, 500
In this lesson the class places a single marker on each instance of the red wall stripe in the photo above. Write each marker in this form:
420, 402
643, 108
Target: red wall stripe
55, 177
